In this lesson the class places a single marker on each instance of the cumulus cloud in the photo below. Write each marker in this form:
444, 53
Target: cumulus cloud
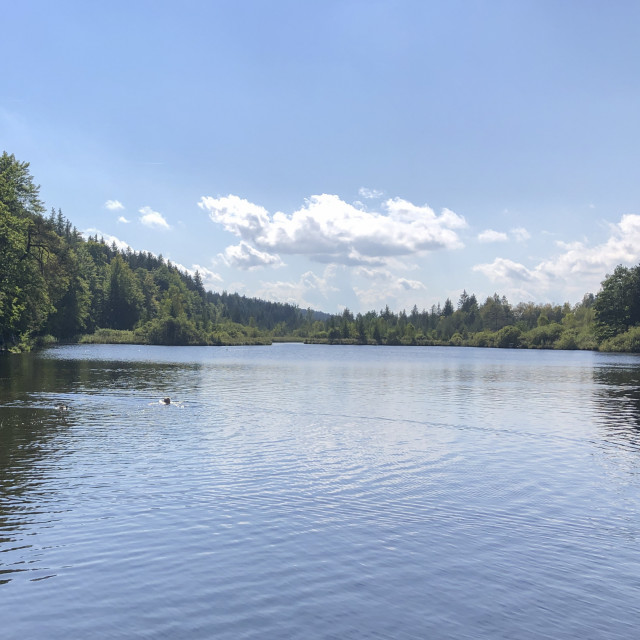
489, 235
370, 194
123, 220
328, 230
151, 218
244, 256
576, 267
114, 205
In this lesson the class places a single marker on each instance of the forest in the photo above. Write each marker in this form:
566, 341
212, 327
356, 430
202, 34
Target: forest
57, 286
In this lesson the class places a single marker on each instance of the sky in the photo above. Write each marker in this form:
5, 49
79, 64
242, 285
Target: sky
343, 153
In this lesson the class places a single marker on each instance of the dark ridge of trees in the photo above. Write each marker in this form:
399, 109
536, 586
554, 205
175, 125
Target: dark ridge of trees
55, 285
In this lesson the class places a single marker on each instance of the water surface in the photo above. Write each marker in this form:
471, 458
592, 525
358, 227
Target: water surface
306, 491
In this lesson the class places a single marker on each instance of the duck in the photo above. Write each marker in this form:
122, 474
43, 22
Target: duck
62, 407
166, 400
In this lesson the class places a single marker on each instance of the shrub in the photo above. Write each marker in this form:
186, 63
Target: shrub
628, 341
543, 337
508, 337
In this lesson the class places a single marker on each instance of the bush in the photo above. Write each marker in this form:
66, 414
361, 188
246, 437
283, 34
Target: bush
568, 340
628, 341
172, 331
482, 339
112, 336
543, 337
508, 338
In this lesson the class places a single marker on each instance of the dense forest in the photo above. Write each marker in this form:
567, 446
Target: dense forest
56, 286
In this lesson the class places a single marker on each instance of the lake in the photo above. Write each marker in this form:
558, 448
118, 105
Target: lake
310, 491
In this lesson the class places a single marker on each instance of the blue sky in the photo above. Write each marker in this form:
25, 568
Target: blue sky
339, 153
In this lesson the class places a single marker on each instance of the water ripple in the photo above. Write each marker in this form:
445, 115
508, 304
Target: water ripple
294, 492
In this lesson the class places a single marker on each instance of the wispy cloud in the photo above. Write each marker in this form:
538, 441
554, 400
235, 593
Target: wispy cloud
520, 234
153, 219
114, 205
328, 230
577, 267
399, 292
370, 194
123, 220
489, 235
298, 292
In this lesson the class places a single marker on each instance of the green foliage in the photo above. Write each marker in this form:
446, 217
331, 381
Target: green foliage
617, 306
123, 299
172, 330
18, 193
543, 336
629, 341
508, 337
112, 336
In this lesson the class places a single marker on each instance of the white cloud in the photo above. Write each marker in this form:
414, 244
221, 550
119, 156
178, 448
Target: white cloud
329, 230
114, 205
370, 194
578, 268
504, 269
411, 285
151, 218
123, 220
489, 235
244, 256
520, 234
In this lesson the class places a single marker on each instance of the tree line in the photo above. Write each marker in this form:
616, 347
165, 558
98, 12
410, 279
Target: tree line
492, 323
608, 321
56, 285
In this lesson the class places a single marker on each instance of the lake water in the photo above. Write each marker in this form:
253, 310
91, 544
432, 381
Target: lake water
301, 491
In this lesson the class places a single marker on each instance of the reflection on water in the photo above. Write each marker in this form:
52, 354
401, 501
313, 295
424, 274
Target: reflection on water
617, 400
309, 491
